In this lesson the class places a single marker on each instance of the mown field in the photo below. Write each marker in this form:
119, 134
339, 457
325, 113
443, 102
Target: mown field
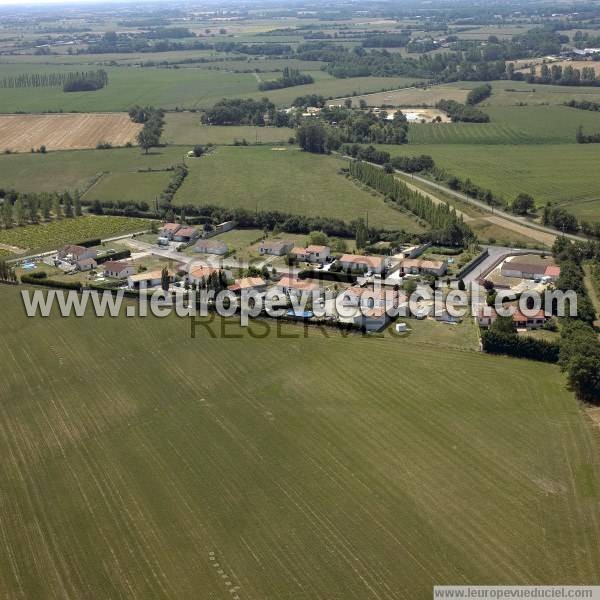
47, 236
139, 463
58, 171
185, 128
559, 173
287, 180
129, 187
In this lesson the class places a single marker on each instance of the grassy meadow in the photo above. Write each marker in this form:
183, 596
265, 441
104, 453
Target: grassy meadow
138, 462
58, 171
185, 128
129, 187
566, 174
287, 180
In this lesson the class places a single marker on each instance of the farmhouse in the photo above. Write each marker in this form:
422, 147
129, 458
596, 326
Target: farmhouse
420, 267
76, 253
211, 247
358, 262
86, 264
148, 279
257, 284
291, 286
312, 254
186, 234
369, 297
118, 269
275, 247
168, 230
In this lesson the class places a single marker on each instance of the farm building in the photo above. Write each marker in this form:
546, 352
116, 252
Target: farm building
211, 247
275, 247
86, 264
225, 226
76, 253
358, 262
312, 254
257, 284
118, 269
148, 279
530, 267
420, 267
291, 286
186, 234
168, 230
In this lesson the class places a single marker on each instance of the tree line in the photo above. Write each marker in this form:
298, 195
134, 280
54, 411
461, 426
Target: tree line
21, 209
87, 81
289, 77
462, 112
154, 122
38, 80
447, 227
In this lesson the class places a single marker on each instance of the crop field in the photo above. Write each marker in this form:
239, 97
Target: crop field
58, 171
511, 125
561, 173
287, 180
129, 187
140, 463
185, 128
412, 96
21, 133
47, 236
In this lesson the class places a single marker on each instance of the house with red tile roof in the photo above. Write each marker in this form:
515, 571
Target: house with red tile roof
359, 262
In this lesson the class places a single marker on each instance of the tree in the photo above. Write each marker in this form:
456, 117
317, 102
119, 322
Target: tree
19, 211
523, 204
164, 279
7, 213
361, 234
45, 206
57, 207
461, 285
33, 207
77, 203
503, 325
68, 205
312, 137
362, 103
147, 138
348, 102
319, 238
7, 273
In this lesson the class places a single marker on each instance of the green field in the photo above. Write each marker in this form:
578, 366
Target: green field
48, 236
185, 128
129, 187
137, 462
286, 180
58, 171
190, 87
562, 173
511, 125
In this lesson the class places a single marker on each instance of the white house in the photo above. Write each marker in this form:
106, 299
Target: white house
519, 319
211, 247
76, 253
419, 266
358, 262
275, 247
118, 269
257, 284
312, 254
149, 279
168, 230
291, 286
86, 264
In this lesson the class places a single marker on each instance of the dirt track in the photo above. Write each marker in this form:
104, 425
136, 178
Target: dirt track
21, 133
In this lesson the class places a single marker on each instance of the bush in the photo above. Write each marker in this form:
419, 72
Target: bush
512, 344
